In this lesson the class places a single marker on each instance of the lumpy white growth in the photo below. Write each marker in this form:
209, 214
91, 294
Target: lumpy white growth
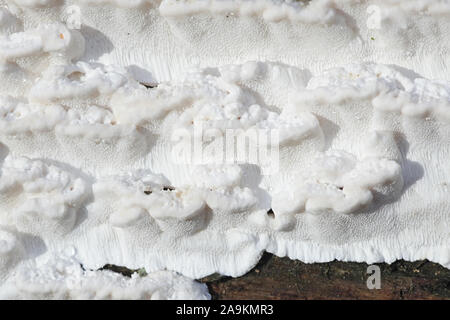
40, 198
123, 139
54, 38
11, 252
63, 277
320, 11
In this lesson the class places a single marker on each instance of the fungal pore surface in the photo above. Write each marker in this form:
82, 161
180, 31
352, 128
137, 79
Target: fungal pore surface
189, 137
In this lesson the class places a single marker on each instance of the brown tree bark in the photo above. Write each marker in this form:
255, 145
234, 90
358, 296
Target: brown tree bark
282, 278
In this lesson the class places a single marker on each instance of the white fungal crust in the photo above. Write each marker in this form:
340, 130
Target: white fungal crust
118, 3
320, 11
18, 116
164, 204
438, 7
33, 3
8, 22
338, 183
76, 81
192, 136
388, 88
39, 198
55, 38
63, 277
11, 252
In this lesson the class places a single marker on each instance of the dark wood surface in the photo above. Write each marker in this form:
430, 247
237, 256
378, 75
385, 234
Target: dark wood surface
282, 278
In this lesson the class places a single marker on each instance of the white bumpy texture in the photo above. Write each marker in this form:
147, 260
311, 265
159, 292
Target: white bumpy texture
100, 101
